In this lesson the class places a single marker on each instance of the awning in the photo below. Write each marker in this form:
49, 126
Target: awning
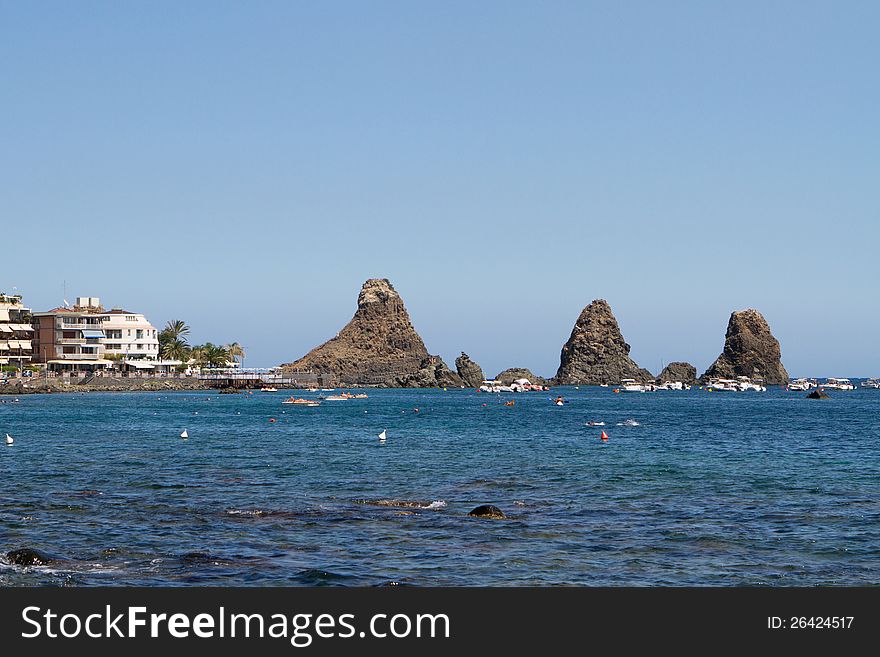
19, 344
92, 333
141, 364
4, 314
21, 327
80, 362
5, 328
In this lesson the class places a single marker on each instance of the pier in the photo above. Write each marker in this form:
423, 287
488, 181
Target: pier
257, 378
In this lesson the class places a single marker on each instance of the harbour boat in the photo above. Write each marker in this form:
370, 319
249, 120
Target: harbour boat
838, 384
268, 389
672, 385
337, 398
745, 384
630, 385
360, 395
300, 400
801, 385
871, 383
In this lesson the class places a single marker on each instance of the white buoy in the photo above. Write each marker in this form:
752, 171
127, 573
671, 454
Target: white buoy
9, 439
184, 434
382, 436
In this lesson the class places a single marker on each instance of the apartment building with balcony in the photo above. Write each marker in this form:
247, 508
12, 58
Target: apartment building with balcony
16, 332
85, 337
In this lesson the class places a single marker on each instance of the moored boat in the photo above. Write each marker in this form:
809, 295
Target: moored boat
838, 384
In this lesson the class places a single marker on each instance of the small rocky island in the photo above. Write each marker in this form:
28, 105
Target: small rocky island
379, 346
596, 352
749, 350
470, 372
678, 371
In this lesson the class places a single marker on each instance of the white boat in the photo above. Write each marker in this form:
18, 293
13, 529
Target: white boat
269, 389
491, 385
801, 385
871, 383
744, 383
838, 384
722, 385
672, 385
630, 385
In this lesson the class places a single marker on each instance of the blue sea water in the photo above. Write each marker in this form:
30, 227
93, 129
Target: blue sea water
708, 489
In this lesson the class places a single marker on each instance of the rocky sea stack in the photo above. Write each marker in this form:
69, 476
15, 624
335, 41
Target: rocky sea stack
678, 371
596, 352
511, 374
749, 350
471, 374
379, 346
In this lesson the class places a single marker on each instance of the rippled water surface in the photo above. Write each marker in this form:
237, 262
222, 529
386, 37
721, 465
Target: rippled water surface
708, 489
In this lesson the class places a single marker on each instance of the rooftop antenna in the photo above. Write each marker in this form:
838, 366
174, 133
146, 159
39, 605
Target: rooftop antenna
66, 302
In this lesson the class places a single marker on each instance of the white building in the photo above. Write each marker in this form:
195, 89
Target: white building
87, 338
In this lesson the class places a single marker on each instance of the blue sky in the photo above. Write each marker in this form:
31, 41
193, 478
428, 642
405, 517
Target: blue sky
245, 166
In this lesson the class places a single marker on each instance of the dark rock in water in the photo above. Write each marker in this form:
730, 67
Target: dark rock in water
511, 374
28, 557
379, 346
596, 352
749, 350
199, 558
818, 394
432, 373
487, 511
471, 374
678, 371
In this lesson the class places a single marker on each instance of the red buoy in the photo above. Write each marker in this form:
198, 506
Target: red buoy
604, 436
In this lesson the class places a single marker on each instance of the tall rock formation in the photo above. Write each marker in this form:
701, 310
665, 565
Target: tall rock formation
378, 346
678, 371
471, 374
749, 350
596, 352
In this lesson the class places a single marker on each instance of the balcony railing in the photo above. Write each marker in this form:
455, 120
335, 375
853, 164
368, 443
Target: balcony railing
72, 341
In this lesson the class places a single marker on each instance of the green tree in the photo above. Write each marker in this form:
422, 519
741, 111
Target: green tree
235, 351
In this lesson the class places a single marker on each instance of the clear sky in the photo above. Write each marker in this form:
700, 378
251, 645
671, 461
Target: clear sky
246, 165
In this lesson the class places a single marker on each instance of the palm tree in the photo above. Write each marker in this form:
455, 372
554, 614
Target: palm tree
172, 340
215, 355
235, 350
197, 356
176, 328
176, 349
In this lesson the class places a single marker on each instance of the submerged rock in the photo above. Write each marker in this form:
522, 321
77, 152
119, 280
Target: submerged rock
749, 350
678, 371
818, 394
28, 557
511, 374
379, 346
596, 352
487, 511
471, 374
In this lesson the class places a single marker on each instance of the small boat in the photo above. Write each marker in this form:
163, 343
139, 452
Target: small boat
300, 400
269, 389
595, 424
630, 385
838, 384
801, 385
184, 434
360, 395
337, 398
328, 389
871, 383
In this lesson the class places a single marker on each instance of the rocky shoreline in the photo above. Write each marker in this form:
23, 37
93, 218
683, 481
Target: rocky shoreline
36, 386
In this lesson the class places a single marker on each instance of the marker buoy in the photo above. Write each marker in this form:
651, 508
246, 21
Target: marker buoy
272, 419
604, 437
9, 439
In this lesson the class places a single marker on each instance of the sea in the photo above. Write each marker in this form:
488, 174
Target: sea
692, 488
